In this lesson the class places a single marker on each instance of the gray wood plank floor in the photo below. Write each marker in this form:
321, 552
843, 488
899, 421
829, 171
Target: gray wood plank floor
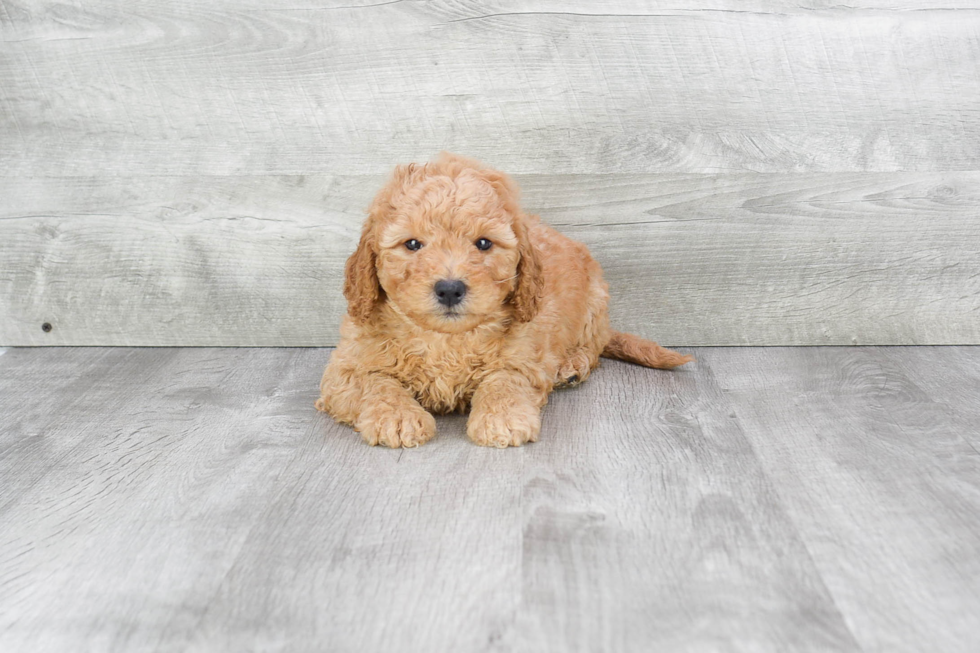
784, 499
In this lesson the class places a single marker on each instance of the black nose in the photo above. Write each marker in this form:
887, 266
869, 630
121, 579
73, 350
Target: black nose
450, 291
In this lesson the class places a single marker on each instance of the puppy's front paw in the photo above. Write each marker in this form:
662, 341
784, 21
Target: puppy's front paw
511, 426
404, 427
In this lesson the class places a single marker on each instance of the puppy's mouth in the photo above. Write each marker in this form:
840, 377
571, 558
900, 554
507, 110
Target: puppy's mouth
452, 314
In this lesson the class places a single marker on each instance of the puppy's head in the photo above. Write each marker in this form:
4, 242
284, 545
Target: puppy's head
446, 245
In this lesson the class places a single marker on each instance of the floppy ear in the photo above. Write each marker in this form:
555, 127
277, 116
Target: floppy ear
530, 279
361, 286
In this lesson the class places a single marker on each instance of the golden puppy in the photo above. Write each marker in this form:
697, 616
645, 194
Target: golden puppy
457, 298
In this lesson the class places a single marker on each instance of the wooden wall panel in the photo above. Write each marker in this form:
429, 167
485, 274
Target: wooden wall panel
225, 88
186, 173
750, 259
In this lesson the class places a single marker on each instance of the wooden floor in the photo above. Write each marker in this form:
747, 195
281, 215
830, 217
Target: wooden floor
759, 500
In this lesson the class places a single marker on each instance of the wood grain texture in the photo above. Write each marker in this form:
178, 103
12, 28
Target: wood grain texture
649, 525
880, 479
764, 499
170, 484
748, 259
176, 261
948, 379
228, 88
749, 173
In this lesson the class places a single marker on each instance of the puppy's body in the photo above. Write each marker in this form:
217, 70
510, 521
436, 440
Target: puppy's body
534, 314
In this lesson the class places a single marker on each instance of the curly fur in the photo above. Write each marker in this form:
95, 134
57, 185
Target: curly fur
534, 315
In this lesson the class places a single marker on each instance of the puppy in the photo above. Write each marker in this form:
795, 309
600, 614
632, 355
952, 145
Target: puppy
458, 299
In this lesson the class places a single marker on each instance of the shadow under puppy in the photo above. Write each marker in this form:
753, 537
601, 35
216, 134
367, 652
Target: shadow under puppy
456, 299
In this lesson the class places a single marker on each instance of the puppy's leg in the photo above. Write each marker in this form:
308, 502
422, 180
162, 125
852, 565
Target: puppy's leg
380, 408
391, 416
576, 367
580, 359
505, 411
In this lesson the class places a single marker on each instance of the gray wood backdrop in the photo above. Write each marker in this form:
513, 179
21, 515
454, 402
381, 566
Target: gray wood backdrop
748, 172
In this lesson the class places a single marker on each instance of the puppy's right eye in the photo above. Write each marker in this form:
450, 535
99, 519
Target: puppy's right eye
413, 245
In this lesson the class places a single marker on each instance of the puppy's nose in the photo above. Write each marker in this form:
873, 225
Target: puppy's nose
450, 291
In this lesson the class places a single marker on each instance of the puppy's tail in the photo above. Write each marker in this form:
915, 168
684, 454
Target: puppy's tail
627, 347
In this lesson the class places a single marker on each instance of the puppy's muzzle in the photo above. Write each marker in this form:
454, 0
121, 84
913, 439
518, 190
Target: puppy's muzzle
449, 292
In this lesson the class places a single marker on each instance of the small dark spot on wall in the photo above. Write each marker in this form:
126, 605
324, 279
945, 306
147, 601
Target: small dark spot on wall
46, 327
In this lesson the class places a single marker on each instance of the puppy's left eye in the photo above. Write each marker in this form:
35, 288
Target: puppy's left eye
483, 244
